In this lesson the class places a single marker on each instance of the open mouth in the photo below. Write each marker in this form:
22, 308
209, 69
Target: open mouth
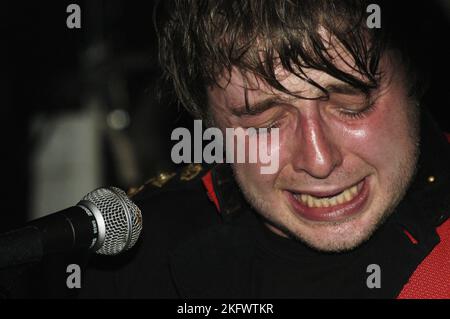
330, 207
342, 197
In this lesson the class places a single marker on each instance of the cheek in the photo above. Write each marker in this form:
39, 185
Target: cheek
381, 139
268, 152
252, 181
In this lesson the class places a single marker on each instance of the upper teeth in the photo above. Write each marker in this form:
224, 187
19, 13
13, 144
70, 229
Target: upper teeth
343, 197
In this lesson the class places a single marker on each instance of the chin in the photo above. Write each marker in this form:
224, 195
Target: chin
339, 236
336, 238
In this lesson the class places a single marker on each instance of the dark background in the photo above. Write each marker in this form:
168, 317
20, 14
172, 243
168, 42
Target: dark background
49, 71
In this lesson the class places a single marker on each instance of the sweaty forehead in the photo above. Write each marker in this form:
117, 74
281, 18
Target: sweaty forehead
232, 87
233, 90
232, 93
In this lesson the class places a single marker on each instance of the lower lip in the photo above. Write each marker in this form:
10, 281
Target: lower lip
335, 213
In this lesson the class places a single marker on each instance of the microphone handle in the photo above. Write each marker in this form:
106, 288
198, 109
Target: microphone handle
74, 228
20, 246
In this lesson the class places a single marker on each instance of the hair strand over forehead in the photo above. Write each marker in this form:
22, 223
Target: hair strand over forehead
202, 41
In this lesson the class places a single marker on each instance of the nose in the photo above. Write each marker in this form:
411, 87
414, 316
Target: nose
315, 151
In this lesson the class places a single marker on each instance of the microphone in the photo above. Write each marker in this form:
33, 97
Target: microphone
105, 221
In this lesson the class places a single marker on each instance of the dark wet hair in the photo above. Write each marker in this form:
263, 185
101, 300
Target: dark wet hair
200, 41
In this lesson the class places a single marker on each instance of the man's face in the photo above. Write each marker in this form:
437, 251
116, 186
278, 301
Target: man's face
344, 163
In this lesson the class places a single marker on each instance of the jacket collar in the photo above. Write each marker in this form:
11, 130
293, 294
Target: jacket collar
426, 205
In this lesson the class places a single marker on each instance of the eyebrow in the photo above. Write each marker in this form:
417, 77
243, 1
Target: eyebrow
258, 107
262, 106
343, 88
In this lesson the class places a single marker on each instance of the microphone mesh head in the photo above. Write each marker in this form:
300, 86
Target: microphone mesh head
123, 219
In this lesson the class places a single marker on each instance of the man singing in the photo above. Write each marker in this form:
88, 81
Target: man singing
359, 204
